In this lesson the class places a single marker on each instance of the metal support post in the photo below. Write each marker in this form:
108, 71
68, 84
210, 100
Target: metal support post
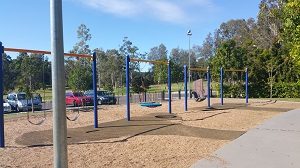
208, 87
169, 88
221, 85
247, 96
127, 88
58, 86
2, 139
95, 90
185, 88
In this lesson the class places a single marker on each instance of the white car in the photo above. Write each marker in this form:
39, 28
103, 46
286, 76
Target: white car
6, 107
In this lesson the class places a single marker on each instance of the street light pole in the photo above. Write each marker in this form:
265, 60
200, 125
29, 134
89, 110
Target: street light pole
189, 33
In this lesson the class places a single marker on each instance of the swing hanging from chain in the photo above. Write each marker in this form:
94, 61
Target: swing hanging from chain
38, 97
148, 104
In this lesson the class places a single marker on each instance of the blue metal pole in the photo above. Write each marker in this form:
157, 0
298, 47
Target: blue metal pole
221, 85
169, 88
127, 88
95, 90
208, 87
2, 143
185, 88
247, 96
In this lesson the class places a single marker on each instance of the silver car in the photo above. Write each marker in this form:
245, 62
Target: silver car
18, 101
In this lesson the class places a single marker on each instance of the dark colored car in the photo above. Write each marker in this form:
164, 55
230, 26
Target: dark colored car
78, 99
103, 97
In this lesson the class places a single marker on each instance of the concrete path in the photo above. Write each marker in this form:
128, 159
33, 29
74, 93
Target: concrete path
273, 144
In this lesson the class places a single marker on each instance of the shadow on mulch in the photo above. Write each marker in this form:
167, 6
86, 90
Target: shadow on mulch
155, 124
243, 106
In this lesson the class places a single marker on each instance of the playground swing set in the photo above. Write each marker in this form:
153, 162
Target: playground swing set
208, 77
150, 104
144, 101
44, 116
58, 86
198, 92
44, 95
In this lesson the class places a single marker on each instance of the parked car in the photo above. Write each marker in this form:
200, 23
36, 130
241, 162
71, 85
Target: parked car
77, 99
37, 102
103, 97
19, 102
6, 107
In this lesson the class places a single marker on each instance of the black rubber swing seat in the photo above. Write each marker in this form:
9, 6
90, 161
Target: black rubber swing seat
150, 104
197, 97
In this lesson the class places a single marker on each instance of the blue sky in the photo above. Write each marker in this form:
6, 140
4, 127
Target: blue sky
147, 23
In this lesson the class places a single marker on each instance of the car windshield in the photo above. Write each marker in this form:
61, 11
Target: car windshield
21, 96
78, 94
103, 93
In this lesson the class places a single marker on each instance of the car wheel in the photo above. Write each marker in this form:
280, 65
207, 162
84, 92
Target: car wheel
74, 104
99, 102
18, 109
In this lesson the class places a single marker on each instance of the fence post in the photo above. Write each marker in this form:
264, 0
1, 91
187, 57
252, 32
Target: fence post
95, 90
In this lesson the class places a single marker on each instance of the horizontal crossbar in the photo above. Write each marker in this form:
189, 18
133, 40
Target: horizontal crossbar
149, 61
20, 50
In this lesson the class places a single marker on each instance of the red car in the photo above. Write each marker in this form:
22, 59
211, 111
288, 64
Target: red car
78, 99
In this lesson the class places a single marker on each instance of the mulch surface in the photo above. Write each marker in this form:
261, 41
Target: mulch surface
152, 124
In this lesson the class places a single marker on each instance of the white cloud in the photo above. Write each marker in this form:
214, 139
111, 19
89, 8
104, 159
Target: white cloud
174, 11
117, 7
166, 11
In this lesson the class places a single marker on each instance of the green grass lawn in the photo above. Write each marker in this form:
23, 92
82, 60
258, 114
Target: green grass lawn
46, 94
155, 88
152, 89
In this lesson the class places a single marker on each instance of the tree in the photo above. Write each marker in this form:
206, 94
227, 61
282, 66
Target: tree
238, 30
159, 53
291, 28
140, 82
100, 59
228, 56
269, 23
128, 49
30, 72
80, 78
9, 75
78, 72
207, 50
114, 68
83, 35
176, 72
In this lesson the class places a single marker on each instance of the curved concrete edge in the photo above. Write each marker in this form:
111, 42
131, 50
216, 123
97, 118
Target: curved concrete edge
273, 144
